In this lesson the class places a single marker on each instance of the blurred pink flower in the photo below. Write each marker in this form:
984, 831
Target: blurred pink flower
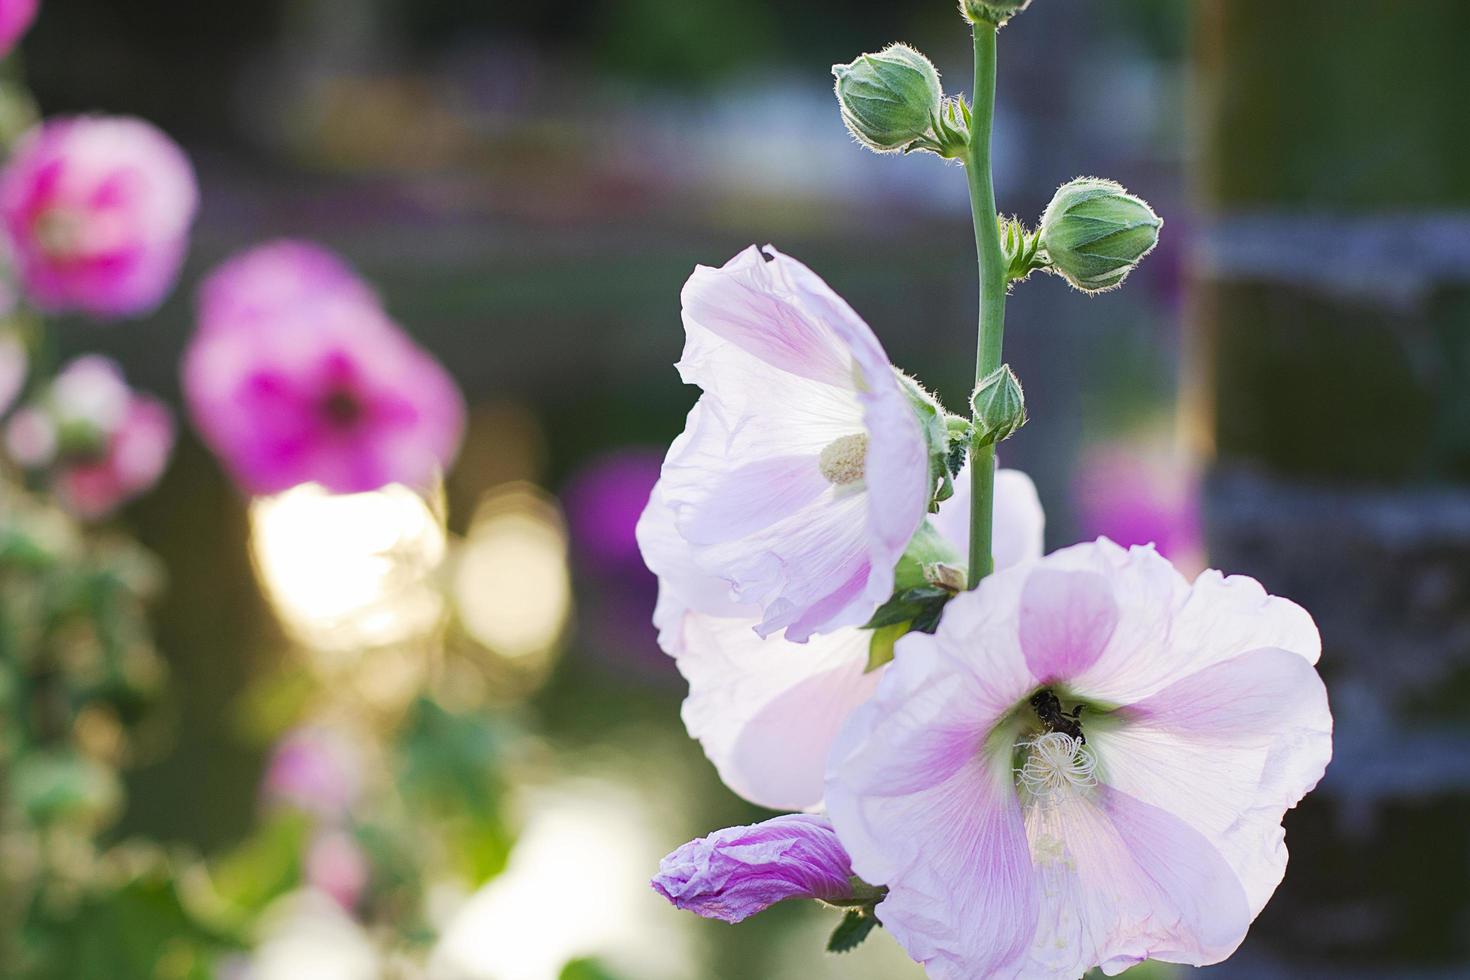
1020, 837
337, 866
316, 770
802, 472
767, 710
98, 211
734, 873
15, 19
1133, 493
100, 442
273, 279
132, 459
315, 384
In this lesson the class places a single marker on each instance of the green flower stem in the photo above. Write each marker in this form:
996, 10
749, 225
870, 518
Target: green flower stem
993, 280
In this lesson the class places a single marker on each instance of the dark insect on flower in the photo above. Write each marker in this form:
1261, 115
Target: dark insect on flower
1048, 708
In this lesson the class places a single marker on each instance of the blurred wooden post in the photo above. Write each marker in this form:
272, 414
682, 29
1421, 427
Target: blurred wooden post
1331, 388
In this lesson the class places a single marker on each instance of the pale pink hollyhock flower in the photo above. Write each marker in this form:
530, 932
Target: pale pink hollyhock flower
316, 770
132, 458
326, 390
98, 211
336, 866
767, 710
15, 20
734, 873
272, 279
802, 472
1019, 841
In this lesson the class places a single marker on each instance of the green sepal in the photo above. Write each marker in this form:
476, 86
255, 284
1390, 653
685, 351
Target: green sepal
880, 646
855, 926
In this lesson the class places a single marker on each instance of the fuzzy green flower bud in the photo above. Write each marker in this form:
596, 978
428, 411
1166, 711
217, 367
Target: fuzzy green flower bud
1095, 233
889, 100
1000, 406
995, 12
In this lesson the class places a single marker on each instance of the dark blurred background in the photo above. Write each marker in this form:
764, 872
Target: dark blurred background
1283, 390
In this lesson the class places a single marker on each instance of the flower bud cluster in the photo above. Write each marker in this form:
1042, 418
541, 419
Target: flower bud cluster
892, 102
995, 12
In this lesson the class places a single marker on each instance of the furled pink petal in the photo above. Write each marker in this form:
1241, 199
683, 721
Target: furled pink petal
98, 211
1018, 529
326, 390
734, 873
788, 369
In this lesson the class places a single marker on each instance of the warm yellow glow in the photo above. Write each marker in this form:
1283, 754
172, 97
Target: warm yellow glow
577, 885
511, 583
349, 571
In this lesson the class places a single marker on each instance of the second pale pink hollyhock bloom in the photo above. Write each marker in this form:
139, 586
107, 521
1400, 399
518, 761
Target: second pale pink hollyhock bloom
767, 710
1017, 840
132, 459
802, 472
15, 19
314, 385
98, 210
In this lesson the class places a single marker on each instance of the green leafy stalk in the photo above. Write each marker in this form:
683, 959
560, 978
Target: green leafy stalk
994, 275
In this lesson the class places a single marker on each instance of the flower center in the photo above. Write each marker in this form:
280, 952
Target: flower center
844, 459
59, 232
341, 408
1056, 762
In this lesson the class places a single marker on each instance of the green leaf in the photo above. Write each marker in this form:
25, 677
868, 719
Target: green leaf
586, 969
851, 931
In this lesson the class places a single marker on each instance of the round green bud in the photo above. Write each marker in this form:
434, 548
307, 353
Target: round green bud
889, 99
1095, 233
995, 12
999, 405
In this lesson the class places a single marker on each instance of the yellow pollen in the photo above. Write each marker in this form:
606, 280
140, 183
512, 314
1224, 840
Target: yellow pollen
844, 459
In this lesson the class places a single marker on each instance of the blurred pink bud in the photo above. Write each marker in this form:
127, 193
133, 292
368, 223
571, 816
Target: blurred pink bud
98, 211
1134, 493
15, 20
316, 770
734, 873
324, 388
274, 278
336, 865
133, 458
30, 438
92, 394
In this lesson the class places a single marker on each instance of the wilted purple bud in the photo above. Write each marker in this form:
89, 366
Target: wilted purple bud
734, 873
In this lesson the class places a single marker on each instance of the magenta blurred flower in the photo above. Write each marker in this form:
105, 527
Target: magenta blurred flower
734, 873
99, 442
1020, 837
15, 19
336, 866
316, 770
603, 503
98, 211
802, 472
1133, 494
314, 384
767, 710
271, 280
